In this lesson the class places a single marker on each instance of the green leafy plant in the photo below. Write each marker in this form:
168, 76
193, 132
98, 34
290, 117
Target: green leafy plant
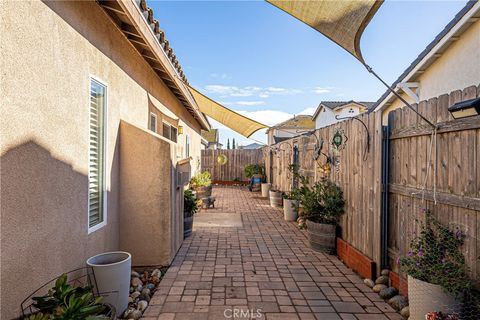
202, 179
190, 206
435, 257
253, 169
321, 203
64, 302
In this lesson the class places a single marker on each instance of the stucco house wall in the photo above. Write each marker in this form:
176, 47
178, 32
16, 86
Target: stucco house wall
50, 50
326, 116
457, 68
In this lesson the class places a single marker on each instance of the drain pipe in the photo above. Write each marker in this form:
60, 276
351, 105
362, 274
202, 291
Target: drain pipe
384, 199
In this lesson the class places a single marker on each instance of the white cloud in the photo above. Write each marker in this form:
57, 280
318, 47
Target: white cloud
220, 75
308, 111
321, 90
268, 117
249, 103
249, 91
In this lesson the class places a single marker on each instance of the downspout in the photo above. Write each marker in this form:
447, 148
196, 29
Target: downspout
385, 176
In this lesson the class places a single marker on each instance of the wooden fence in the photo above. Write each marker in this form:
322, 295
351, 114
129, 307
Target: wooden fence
233, 169
359, 174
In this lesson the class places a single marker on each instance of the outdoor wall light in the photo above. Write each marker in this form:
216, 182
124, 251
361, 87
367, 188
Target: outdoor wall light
180, 129
464, 109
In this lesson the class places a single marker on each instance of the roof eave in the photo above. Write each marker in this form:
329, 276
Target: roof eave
469, 15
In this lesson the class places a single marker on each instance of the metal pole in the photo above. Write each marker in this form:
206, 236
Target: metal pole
398, 96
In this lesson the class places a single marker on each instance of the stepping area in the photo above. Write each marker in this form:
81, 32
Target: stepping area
246, 262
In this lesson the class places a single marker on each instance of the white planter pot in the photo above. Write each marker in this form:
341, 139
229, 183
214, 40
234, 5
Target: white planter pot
290, 212
425, 297
265, 189
112, 274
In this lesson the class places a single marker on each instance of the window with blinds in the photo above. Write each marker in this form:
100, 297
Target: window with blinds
187, 146
96, 162
170, 132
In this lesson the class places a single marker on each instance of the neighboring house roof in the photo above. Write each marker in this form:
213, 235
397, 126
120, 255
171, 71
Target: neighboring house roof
253, 146
211, 135
280, 139
462, 20
297, 122
137, 22
333, 105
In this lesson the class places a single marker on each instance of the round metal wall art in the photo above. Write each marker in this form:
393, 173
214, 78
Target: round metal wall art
222, 159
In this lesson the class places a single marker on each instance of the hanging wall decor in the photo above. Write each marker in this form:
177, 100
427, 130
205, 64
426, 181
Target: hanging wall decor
222, 159
339, 139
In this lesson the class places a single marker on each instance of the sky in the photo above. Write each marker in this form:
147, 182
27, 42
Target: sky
261, 62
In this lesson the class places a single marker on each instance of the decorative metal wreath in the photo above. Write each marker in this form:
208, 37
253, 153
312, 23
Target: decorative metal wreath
222, 159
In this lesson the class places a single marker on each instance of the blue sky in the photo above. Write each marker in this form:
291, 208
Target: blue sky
259, 61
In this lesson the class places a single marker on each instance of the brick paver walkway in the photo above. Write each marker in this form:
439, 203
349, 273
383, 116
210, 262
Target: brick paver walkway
265, 266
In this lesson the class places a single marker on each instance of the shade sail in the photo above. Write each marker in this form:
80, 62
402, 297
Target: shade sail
229, 118
342, 21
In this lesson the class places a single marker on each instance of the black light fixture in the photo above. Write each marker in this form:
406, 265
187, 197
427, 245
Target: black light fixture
464, 109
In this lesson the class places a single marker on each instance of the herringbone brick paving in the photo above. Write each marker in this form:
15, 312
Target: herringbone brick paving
266, 266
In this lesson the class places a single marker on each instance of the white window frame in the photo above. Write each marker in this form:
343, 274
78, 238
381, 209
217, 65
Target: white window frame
170, 131
187, 145
106, 177
150, 122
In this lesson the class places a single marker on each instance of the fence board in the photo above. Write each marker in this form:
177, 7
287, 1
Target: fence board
233, 170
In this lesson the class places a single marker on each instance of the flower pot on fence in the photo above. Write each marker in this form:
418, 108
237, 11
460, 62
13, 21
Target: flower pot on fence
290, 211
203, 191
112, 275
276, 198
322, 236
187, 226
425, 297
266, 189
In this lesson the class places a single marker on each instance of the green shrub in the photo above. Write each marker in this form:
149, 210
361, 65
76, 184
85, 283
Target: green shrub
253, 169
202, 179
190, 206
435, 257
321, 203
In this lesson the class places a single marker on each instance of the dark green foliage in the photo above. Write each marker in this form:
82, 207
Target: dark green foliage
253, 169
66, 302
435, 257
190, 206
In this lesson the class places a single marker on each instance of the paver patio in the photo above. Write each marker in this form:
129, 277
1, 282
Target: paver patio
266, 265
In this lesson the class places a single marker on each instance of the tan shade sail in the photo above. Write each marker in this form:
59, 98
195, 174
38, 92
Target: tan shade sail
342, 21
229, 118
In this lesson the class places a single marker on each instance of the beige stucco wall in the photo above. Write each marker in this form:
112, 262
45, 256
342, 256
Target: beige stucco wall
144, 162
49, 52
457, 68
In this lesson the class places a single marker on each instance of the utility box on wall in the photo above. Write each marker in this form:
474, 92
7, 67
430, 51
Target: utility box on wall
145, 197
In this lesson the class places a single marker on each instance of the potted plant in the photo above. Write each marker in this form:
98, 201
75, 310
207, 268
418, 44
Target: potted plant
190, 207
65, 301
322, 206
256, 174
290, 206
201, 183
436, 269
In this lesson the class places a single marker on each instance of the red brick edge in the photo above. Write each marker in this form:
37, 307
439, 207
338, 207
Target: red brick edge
355, 260
230, 183
400, 283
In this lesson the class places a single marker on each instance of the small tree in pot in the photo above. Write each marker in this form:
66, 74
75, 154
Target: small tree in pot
201, 183
322, 206
190, 207
256, 174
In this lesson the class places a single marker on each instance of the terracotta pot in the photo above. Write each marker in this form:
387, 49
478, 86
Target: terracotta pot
322, 236
425, 297
290, 212
187, 227
276, 199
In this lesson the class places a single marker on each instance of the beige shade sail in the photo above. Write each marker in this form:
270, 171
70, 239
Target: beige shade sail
229, 118
342, 21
